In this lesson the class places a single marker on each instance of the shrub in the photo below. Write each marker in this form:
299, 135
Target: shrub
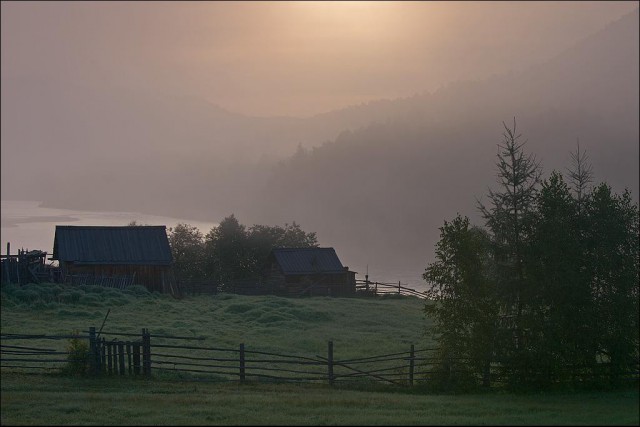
78, 357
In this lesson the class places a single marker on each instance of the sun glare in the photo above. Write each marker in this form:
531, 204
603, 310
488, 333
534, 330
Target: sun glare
364, 18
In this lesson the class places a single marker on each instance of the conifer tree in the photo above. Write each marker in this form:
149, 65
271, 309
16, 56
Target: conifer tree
507, 217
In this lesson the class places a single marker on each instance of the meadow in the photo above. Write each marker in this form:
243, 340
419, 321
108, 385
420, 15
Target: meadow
357, 326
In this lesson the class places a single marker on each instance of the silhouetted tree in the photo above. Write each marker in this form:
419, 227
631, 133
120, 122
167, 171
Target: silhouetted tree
553, 284
560, 319
580, 173
263, 238
187, 248
507, 217
464, 302
227, 252
612, 265
235, 253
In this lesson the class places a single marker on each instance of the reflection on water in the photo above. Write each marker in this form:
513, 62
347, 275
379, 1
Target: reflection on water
27, 225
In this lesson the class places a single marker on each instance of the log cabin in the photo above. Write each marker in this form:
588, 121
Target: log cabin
307, 271
115, 254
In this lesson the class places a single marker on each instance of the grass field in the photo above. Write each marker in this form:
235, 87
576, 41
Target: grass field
49, 400
358, 327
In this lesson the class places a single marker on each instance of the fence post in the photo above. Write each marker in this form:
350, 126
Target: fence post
93, 353
109, 358
103, 355
411, 364
398, 287
121, 357
146, 352
242, 362
330, 362
129, 356
8, 262
136, 358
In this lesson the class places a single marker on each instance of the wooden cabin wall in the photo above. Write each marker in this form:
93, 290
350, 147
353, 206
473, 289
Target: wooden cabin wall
321, 284
150, 276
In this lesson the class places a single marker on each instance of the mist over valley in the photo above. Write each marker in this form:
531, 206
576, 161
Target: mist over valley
375, 180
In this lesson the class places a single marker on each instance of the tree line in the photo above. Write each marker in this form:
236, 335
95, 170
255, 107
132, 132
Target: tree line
231, 251
547, 287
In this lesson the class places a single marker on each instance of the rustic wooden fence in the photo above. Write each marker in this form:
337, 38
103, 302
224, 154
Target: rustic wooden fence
138, 354
144, 353
249, 287
118, 282
25, 267
366, 287
26, 352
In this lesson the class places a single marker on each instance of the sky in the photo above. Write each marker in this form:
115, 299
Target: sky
294, 58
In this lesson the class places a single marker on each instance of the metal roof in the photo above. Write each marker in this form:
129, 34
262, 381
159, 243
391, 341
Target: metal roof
112, 245
307, 260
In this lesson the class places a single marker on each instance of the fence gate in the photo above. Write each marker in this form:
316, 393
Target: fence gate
118, 357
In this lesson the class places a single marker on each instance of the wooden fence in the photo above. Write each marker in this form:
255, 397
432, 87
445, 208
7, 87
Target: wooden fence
249, 287
26, 267
366, 287
27, 352
118, 282
142, 354
139, 354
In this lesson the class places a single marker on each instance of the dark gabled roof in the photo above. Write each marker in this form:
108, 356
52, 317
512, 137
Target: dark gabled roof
147, 245
307, 260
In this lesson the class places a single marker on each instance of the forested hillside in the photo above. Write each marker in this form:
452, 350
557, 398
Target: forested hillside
383, 191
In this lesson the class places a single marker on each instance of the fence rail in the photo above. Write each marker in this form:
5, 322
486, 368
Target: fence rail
141, 356
381, 288
24, 352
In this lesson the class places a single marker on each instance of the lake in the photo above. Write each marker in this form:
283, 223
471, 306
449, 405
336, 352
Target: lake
27, 225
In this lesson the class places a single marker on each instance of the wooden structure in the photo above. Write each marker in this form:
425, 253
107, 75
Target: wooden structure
307, 271
25, 267
120, 254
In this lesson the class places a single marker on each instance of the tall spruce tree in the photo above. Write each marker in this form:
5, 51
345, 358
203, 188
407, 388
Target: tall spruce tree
508, 217
580, 174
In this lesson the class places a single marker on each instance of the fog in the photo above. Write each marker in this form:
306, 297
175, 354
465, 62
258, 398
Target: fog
367, 122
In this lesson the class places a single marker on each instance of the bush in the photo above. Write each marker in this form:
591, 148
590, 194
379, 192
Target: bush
78, 357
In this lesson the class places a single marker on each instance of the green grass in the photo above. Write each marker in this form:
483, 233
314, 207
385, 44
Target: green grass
358, 327
300, 326
54, 400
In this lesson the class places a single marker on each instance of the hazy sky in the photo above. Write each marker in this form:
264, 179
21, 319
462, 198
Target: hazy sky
287, 58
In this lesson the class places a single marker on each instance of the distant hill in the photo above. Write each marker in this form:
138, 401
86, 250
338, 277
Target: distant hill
383, 191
